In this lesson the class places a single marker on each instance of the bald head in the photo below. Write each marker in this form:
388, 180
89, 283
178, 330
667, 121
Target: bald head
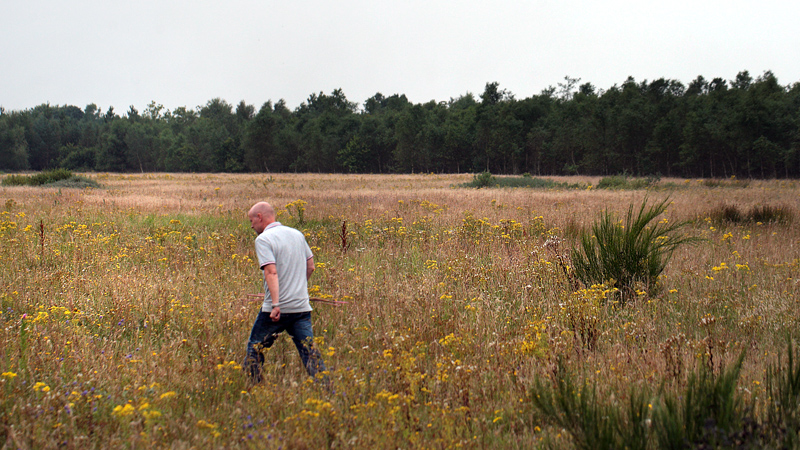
261, 215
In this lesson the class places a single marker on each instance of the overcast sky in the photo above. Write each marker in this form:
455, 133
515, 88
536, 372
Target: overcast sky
184, 53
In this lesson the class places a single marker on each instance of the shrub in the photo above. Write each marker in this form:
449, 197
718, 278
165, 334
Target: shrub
50, 176
16, 180
612, 182
628, 256
624, 182
39, 179
53, 178
531, 182
484, 179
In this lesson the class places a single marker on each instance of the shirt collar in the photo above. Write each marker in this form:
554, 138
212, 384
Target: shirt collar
273, 224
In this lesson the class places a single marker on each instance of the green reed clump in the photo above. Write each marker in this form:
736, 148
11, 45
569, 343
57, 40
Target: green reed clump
783, 412
710, 413
592, 423
577, 410
630, 254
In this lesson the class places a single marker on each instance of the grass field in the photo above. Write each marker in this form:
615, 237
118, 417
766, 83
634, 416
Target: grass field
123, 318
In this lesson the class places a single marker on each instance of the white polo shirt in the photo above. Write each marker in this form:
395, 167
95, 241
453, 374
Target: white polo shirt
288, 250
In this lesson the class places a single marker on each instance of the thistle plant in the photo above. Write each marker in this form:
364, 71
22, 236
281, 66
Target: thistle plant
628, 255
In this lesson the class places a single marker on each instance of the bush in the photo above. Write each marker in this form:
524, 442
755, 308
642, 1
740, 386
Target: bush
624, 182
39, 179
53, 178
535, 183
484, 179
16, 180
612, 182
629, 256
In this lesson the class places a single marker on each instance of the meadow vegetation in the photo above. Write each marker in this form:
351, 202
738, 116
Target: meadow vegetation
51, 178
123, 316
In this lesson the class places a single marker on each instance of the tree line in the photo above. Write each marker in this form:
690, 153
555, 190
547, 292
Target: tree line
744, 127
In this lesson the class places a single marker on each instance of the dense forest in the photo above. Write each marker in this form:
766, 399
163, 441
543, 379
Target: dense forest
744, 127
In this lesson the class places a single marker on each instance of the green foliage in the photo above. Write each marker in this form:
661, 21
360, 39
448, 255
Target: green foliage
16, 180
533, 182
629, 255
483, 179
624, 182
75, 181
710, 412
51, 178
612, 182
592, 423
354, 156
486, 179
47, 177
783, 388
710, 129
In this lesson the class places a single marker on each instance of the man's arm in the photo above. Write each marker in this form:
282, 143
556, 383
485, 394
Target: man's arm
310, 267
271, 277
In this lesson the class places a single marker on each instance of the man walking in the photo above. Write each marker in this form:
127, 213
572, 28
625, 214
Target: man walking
284, 256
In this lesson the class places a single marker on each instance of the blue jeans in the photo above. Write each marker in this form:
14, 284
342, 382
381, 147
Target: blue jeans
298, 326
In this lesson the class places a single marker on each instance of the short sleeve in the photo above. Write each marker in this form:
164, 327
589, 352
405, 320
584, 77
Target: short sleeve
264, 252
309, 255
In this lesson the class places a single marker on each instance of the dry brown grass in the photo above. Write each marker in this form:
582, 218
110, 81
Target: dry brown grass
456, 306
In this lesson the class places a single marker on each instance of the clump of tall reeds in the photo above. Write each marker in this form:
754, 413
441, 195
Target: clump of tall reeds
731, 214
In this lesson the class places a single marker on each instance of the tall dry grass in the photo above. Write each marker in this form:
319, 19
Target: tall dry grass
123, 322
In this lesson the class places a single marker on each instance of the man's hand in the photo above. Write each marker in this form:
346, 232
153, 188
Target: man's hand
275, 314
